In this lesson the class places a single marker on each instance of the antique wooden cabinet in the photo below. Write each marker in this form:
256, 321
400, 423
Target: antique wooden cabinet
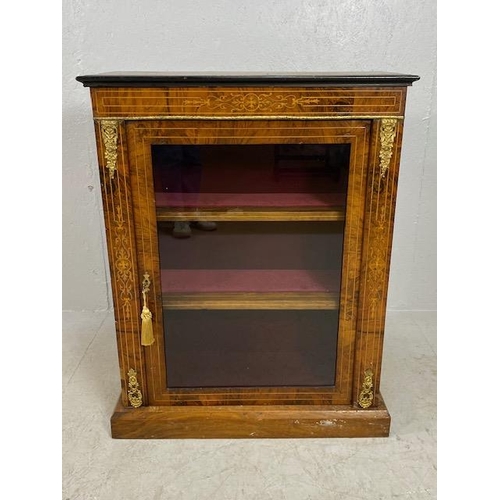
249, 222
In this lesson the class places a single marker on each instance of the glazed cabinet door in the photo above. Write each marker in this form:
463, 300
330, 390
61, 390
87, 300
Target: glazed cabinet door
248, 237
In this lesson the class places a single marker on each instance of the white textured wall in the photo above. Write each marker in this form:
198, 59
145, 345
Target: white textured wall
251, 35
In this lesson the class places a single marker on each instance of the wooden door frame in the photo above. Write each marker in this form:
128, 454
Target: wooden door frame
140, 136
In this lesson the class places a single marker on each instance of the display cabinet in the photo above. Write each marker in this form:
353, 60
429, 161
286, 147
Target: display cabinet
249, 222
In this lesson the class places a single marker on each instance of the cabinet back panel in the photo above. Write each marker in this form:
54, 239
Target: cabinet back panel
250, 348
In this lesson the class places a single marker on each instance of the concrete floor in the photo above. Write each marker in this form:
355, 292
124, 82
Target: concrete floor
96, 467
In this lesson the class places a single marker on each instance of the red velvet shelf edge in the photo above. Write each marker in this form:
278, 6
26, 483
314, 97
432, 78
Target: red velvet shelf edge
251, 200
252, 280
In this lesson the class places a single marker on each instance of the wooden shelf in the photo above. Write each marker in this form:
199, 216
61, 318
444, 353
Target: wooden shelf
251, 300
250, 214
250, 206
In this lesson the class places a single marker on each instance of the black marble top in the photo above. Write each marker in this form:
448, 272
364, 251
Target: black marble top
153, 79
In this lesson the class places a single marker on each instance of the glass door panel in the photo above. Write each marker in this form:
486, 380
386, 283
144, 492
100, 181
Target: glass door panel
250, 245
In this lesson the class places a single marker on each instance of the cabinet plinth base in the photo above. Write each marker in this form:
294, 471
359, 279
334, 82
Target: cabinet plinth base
283, 421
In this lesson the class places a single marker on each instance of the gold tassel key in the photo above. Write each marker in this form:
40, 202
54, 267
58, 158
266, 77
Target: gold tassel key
147, 337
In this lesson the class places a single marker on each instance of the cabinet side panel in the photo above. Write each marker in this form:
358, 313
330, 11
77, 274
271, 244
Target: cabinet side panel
376, 255
120, 237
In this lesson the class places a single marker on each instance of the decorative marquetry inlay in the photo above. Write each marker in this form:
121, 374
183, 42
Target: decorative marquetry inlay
123, 263
252, 101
